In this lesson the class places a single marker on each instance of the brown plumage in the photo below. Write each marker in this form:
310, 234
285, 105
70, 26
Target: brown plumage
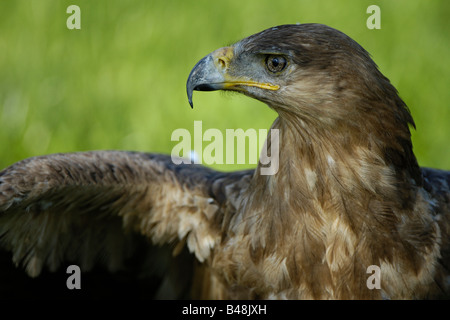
348, 193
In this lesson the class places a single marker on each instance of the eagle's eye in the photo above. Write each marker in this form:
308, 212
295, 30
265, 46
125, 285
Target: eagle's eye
275, 63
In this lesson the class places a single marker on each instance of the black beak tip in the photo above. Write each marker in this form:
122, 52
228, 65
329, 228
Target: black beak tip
203, 77
189, 94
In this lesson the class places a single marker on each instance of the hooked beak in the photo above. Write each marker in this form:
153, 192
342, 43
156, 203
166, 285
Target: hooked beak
211, 73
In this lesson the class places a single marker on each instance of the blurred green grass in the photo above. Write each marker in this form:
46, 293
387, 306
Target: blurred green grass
119, 82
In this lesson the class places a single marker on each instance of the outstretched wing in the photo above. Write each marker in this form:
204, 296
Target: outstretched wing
97, 207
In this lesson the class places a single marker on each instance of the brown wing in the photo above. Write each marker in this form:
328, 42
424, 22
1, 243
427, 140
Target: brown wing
100, 208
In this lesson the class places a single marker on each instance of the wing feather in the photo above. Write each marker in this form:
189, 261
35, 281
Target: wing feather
91, 207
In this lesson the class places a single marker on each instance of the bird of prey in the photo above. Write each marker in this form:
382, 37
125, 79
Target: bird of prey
349, 196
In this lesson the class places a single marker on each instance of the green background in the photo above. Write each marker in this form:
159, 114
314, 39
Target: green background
119, 82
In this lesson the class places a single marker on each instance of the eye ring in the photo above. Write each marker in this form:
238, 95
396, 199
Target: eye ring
275, 63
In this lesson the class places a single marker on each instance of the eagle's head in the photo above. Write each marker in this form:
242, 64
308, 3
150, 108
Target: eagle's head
305, 69
305, 64
320, 81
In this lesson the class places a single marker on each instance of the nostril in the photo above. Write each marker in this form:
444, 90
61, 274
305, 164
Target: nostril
222, 63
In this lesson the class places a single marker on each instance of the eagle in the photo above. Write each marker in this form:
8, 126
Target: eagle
349, 214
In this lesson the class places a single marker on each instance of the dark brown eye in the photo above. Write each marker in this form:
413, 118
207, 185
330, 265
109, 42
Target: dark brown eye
275, 63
